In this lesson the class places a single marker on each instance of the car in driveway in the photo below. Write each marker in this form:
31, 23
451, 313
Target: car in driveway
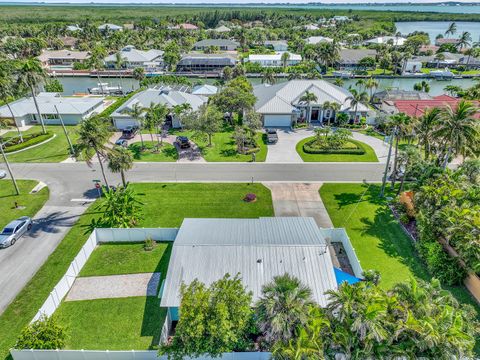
121, 142
272, 136
14, 231
3, 174
129, 132
183, 142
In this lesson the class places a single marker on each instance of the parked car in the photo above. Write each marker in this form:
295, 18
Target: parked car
14, 231
272, 136
129, 132
121, 142
183, 142
3, 174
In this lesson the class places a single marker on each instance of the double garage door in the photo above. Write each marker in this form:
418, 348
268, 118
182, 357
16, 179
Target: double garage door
277, 121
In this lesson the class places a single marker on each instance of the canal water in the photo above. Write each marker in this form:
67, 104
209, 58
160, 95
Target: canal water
75, 85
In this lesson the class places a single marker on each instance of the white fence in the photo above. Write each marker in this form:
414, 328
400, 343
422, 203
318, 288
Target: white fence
120, 355
340, 235
98, 236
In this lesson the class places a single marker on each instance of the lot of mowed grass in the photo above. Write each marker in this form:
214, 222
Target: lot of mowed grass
29, 204
113, 324
166, 153
369, 155
166, 205
56, 150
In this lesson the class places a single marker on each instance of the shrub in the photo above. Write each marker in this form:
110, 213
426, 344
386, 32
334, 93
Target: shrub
149, 244
309, 148
43, 333
406, 200
250, 197
29, 140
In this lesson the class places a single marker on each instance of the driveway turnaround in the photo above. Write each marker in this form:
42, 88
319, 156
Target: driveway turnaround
380, 148
284, 150
114, 286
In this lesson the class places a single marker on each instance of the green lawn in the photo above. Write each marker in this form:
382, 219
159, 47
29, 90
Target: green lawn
29, 204
167, 153
127, 258
113, 324
224, 149
369, 155
55, 150
372, 134
165, 205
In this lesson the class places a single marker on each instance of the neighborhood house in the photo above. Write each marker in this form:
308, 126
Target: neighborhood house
133, 58
221, 44
62, 58
274, 60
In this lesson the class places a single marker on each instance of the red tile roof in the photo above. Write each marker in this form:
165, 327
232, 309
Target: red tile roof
417, 108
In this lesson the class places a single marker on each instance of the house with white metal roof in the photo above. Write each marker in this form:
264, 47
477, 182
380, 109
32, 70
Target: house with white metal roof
222, 29
394, 40
73, 28
314, 40
62, 58
274, 60
205, 90
164, 95
72, 110
277, 45
110, 27
150, 60
280, 105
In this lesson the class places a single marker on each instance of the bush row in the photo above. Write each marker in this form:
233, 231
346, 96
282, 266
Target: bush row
29, 140
309, 149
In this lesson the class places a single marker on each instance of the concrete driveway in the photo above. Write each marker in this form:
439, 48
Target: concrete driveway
284, 150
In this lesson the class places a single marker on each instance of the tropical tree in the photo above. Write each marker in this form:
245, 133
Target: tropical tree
334, 107
236, 96
356, 99
155, 117
120, 62
451, 30
139, 74
371, 84
31, 74
282, 308
401, 125
422, 86
439, 57
424, 129
464, 41
120, 160
285, 58
205, 121
93, 135
268, 76
6, 94
137, 112
308, 98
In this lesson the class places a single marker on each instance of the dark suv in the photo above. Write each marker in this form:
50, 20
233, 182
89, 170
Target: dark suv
129, 132
272, 136
183, 142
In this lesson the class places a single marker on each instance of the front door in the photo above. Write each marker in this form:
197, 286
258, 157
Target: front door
315, 114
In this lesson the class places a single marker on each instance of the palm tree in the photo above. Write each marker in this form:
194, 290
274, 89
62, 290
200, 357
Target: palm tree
401, 124
284, 58
120, 160
334, 107
464, 40
439, 57
283, 307
308, 98
422, 86
6, 93
356, 99
424, 129
451, 30
119, 63
268, 76
458, 130
371, 85
137, 113
32, 74
93, 135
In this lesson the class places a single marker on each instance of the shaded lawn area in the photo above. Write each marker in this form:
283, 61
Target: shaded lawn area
113, 324
127, 258
29, 203
224, 149
166, 153
56, 150
213, 200
369, 155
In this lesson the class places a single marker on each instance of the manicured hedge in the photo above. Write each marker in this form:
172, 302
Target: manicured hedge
29, 140
359, 150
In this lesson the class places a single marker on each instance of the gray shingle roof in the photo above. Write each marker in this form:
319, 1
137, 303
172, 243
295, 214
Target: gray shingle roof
130, 54
216, 42
353, 56
258, 249
210, 59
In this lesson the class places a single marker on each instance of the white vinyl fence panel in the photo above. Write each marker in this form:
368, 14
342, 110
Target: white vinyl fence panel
136, 234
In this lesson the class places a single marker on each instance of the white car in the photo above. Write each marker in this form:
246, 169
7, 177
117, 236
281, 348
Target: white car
3, 174
14, 231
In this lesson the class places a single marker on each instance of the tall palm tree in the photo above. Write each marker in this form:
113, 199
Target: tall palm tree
6, 93
371, 84
402, 126
137, 113
458, 130
284, 58
334, 107
451, 30
464, 41
283, 307
120, 160
308, 98
268, 76
32, 74
119, 64
356, 99
424, 129
93, 136
439, 57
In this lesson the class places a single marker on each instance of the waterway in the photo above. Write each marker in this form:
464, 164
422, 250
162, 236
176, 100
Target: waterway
433, 28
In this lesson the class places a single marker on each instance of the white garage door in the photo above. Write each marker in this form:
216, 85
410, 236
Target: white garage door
277, 120
123, 123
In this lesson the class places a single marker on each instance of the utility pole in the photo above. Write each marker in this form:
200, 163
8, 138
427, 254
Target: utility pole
65, 131
8, 168
384, 181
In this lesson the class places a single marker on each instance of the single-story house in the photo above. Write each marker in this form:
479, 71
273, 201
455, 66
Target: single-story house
314, 40
185, 26
340, 18
350, 58
110, 27
150, 60
274, 60
73, 28
311, 27
280, 104
394, 40
277, 45
257, 250
72, 110
391, 95
162, 95
449, 60
198, 62
62, 58
412, 66
221, 44
68, 41
222, 29
442, 41
204, 90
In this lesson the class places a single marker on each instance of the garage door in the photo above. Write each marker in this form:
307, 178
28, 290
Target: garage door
277, 121
123, 123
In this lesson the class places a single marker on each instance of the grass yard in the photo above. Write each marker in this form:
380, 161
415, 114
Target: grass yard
369, 155
167, 205
127, 258
224, 149
29, 203
167, 153
56, 150
113, 324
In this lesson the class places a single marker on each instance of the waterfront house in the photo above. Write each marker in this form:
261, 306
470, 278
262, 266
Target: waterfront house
280, 105
62, 59
314, 40
198, 62
443, 41
150, 60
109, 28
277, 45
72, 110
451, 60
350, 59
220, 44
394, 40
273, 60
204, 90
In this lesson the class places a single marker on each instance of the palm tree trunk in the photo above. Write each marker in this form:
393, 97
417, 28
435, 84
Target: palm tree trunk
103, 170
141, 138
124, 182
394, 172
402, 183
32, 90
209, 139
16, 125
445, 163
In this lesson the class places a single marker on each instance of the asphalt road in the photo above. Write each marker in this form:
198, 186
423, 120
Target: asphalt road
69, 182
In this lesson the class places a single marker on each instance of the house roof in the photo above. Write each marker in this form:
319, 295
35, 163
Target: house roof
223, 59
222, 28
160, 96
275, 42
353, 56
216, 42
416, 108
258, 249
73, 28
441, 41
273, 57
48, 101
186, 26
283, 98
131, 54
63, 54
397, 41
205, 90
109, 26
312, 40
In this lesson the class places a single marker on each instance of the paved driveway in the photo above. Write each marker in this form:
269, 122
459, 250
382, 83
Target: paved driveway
284, 150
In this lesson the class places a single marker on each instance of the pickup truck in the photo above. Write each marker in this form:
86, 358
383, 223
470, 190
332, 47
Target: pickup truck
272, 136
